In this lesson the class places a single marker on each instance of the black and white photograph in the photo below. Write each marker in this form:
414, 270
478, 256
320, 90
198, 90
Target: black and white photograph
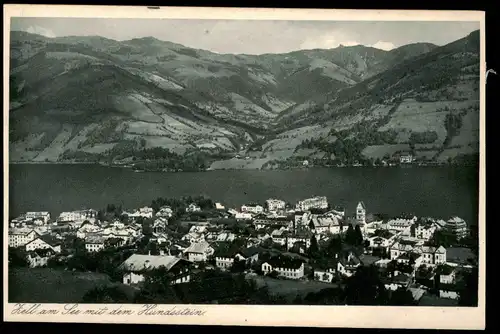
206, 161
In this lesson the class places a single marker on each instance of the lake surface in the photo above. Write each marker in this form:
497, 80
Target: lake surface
428, 191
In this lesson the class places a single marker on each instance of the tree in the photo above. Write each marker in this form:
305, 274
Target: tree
147, 227
334, 246
365, 288
412, 230
469, 293
17, 257
238, 266
273, 274
311, 225
350, 237
313, 248
401, 297
358, 236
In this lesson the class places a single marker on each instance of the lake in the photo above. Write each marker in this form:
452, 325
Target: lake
428, 191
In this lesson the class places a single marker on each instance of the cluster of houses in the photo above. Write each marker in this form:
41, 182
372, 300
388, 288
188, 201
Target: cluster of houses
399, 244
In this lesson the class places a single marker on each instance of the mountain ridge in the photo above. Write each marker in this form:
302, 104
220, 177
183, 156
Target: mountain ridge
162, 94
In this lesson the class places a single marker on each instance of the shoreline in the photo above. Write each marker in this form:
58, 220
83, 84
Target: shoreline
237, 169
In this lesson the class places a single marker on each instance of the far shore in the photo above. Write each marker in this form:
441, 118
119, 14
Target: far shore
52, 163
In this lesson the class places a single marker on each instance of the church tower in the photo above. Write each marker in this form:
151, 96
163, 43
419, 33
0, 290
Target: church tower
361, 213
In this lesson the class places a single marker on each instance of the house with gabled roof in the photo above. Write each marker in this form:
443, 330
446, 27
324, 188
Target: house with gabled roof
199, 251
39, 257
433, 255
45, 241
138, 265
325, 271
20, 237
348, 263
284, 266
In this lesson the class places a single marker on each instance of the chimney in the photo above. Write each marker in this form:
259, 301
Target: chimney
149, 252
147, 264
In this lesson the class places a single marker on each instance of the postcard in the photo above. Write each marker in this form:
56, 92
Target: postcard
258, 167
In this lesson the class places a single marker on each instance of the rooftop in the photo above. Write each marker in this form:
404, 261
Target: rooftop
282, 261
140, 262
198, 247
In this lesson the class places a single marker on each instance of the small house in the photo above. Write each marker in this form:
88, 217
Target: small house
138, 265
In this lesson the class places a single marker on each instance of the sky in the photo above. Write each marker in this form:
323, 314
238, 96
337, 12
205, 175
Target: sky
253, 37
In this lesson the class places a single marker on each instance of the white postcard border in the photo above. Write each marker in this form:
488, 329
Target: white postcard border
306, 316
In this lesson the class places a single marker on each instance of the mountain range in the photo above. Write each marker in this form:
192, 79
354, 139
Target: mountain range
90, 98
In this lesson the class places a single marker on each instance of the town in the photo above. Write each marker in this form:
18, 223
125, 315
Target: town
195, 244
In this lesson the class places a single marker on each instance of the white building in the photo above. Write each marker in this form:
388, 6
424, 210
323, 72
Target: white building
193, 208
284, 266
43, 215
165, 212
219, 206
325, 224
44, 242
145, 212
447, 274
318, 202
402, 247
275, 204
252, 208
433, 255
87, 229
94, 243
424, 231
406, 159
199, 252
325, 273
20, 237
77, 216
243, 216
400, 224
361, 213
224, 263
457, 227
137, 265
